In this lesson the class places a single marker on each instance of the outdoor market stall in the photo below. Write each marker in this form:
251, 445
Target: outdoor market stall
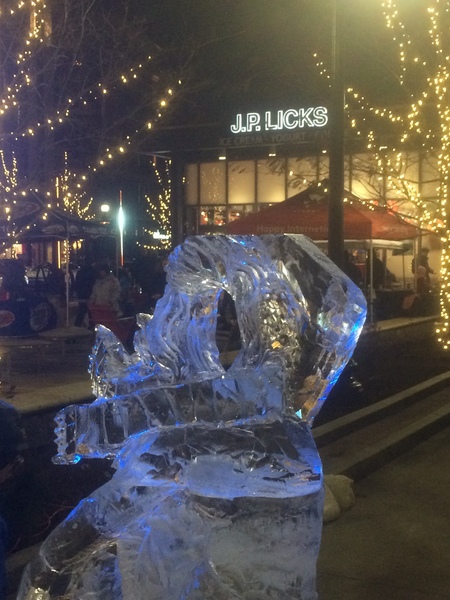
32, 220
307, 213
366, 227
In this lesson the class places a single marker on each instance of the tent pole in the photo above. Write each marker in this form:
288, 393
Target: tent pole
67, 275
404, 270
415, 252
372, 291
117, 244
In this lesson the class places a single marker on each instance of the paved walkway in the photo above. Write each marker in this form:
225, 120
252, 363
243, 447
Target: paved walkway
56, 381
394, 544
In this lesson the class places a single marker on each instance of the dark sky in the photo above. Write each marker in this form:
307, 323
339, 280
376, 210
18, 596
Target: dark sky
250, 52
240, 55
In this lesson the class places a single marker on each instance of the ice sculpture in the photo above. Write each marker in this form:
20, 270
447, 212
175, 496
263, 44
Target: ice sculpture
217, 492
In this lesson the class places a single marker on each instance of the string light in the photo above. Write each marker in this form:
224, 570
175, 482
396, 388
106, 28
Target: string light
73, 199
424, 124
67, 189
435, 94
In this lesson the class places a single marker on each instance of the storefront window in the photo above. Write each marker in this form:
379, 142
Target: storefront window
271, 180
236, 212
241, 182
430, 176
367, 177
191, 184
324, 167
191, 225
403, 174
212, 183
302, 172
212, 219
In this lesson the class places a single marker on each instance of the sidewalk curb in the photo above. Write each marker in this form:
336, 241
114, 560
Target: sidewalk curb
379, 454
338, 428
375, 455
356, 467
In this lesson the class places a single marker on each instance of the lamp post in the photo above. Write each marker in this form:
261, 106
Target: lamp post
121, 223
105, 208
337, 145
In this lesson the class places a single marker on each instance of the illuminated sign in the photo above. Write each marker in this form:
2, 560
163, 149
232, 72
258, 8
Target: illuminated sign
282, 119
157, 235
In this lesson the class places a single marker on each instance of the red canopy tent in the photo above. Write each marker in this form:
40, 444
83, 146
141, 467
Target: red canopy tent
307, 213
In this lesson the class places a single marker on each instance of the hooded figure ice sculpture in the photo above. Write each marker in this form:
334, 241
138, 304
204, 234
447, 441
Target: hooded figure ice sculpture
218, 486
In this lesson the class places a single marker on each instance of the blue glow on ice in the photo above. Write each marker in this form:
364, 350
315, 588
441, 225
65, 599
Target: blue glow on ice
217, 472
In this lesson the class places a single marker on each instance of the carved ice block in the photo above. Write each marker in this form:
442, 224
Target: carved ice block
218, 486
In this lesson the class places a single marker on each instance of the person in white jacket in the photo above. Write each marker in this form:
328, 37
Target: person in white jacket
106, 290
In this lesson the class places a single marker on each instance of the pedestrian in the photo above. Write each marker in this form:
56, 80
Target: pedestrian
12, 440
142, 270
106, 290
158, 280
351, 270
377, 276
3, 546
84, 284
422, 261
55, 287
125, 303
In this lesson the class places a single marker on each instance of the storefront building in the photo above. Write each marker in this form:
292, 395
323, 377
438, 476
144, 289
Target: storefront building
263, 158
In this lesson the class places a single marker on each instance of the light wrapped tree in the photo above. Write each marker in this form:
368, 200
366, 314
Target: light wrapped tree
79, 83
419, 121
158, 207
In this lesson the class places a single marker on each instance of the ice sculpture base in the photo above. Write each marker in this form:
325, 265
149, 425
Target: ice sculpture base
226, 525
218, 491
267, 548
264, 549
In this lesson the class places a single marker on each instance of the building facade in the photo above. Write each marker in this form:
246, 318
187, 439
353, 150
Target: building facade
219, 191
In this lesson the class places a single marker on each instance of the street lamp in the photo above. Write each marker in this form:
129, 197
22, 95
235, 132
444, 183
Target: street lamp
337, 145
105, 208
121, 223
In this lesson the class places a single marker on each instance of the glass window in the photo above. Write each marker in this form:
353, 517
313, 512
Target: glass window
271, 178
212, 183
367, 177
236, 212
212, 218
324, 166
191, 184
191, 220
402, 179
430, 176
302, 172
241, 182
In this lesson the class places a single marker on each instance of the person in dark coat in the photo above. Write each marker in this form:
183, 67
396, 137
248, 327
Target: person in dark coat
379, 271
12, 439
84, 283
3, 545
351, 270
422, 261
158, 282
